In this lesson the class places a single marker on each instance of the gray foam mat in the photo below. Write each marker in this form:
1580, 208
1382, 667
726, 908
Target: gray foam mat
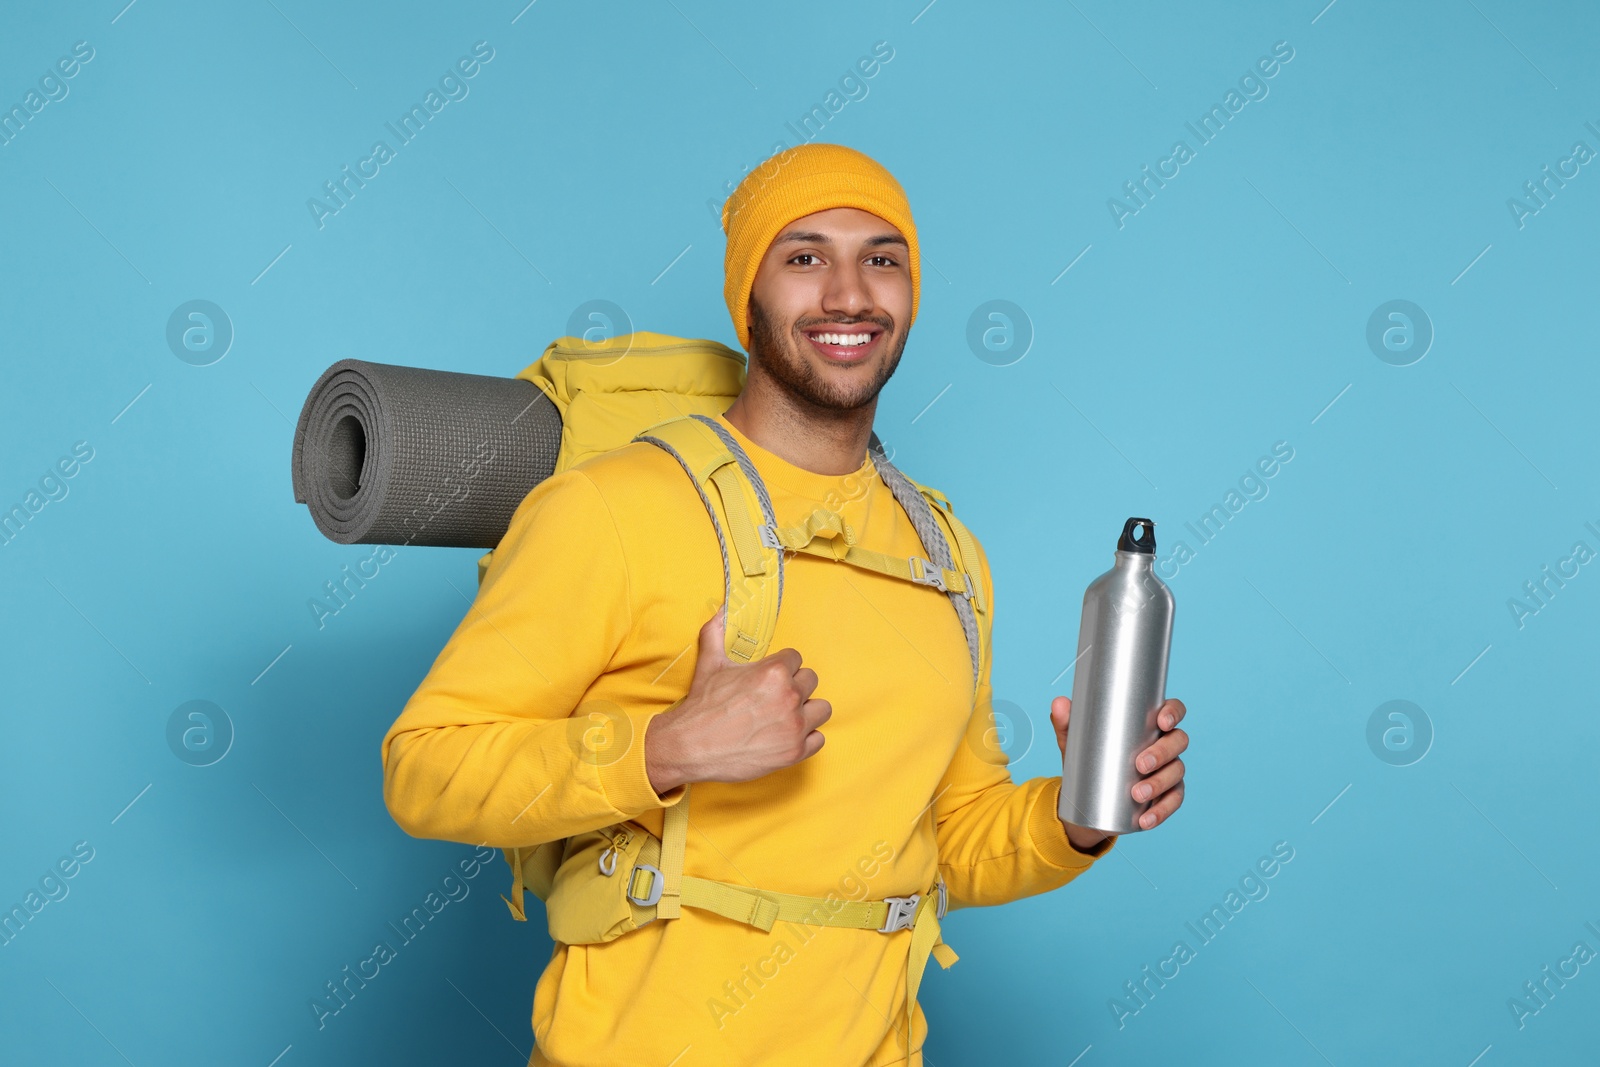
409, 456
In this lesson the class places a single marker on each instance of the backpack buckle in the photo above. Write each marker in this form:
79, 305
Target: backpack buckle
657, 883
902, 910
944, 900
930, 574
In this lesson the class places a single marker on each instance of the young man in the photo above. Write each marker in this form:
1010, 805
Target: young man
852, 760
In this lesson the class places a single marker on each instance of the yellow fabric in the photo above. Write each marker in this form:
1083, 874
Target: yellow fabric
609, 389
792, 184
589, 613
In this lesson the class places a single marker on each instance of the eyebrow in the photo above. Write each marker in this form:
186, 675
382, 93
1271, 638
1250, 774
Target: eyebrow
811, 237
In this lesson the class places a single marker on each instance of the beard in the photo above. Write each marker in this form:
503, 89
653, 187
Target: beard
781, 358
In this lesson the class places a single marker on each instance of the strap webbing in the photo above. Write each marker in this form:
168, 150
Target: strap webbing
924, 941
674, 837
759, 487
752, 599
820, 523
745, 539
893, 566
518, 910
763, 908
921, 514
966, 550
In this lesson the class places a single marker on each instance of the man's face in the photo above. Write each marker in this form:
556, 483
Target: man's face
829, 307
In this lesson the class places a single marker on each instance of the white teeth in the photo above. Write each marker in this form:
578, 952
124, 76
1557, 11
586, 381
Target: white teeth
846, 339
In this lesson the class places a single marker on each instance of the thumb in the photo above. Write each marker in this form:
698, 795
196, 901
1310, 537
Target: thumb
1060, 715
713, 652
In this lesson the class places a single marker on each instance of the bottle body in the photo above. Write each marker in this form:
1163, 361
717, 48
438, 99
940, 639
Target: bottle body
1118, 686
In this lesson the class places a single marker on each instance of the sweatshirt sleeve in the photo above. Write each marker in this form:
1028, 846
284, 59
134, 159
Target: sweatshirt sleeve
1000, 841
498, 746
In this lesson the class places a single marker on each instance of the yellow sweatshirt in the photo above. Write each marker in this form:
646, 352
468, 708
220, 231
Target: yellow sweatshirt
593, 602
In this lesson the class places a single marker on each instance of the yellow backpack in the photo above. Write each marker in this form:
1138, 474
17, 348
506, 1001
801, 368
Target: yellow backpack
664, 390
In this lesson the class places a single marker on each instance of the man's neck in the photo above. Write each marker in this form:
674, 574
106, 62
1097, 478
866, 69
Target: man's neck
818, 439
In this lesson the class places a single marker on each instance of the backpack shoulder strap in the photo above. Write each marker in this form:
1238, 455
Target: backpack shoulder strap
967, 560
962, 545
741, 514
931, 522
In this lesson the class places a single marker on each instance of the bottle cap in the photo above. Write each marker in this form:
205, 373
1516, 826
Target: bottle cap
1146, 540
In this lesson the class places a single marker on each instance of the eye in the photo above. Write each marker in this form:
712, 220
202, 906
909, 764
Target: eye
803, 255
888, 261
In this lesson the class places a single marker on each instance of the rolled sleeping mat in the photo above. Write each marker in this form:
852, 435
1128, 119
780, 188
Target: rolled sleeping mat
408, 456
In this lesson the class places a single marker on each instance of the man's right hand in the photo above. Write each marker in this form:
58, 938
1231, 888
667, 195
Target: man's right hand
739, 721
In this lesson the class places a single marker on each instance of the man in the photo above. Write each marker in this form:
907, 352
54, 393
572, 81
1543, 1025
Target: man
852, 760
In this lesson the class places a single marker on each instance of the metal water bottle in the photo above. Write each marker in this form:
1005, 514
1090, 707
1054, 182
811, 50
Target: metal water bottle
1118, 686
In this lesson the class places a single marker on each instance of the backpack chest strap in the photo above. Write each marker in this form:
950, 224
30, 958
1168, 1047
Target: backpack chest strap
824, 534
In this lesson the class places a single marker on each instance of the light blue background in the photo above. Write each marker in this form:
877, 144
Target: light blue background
1225, 316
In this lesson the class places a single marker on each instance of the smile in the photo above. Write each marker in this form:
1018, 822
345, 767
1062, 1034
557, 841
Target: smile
846, 345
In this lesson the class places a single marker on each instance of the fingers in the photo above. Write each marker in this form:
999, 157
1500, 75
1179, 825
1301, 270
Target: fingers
805, 682
1161, 781
813, 744
1165, 749
789, 657
815, 712
1167, 783
1163, 808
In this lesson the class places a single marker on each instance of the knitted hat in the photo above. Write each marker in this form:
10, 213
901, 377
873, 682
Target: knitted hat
790, 185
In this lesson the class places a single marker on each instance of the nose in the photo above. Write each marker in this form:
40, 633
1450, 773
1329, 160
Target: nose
846, 292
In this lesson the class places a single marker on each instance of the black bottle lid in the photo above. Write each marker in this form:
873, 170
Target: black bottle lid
1145, 542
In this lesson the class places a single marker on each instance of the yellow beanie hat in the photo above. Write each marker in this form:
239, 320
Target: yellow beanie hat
793, 184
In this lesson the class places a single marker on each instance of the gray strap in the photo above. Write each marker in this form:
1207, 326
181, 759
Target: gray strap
722, 542
933, 542
769, 521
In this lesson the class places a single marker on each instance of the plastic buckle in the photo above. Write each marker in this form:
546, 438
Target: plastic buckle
944, 900
656, 886
608, 861
902, 910
930, 574
769, 535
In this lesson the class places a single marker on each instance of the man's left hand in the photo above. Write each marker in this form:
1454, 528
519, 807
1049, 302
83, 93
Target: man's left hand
1163, 770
